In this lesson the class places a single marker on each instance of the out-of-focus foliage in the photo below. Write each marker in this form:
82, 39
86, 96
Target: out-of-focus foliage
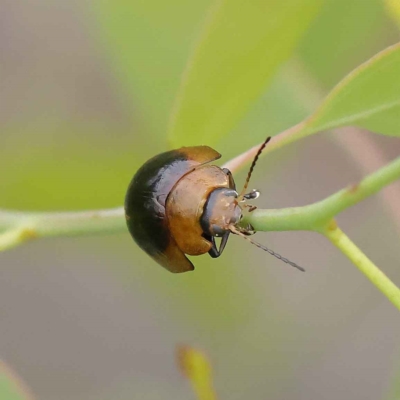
234, 60
369, 97
11, 387
393, 10
336, 42
197, 368
148, 44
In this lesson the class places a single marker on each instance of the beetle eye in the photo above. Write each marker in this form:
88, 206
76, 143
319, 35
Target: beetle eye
217, 230
236, 216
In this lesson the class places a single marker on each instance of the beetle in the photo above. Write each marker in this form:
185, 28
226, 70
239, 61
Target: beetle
177, 203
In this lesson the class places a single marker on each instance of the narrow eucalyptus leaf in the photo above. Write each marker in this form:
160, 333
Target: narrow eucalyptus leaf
369, 97
241, 47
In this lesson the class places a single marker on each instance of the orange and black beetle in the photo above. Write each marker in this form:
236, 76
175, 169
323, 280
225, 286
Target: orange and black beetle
177, 203
170, 203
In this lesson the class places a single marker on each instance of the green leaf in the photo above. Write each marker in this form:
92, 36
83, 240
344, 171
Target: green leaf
240, 49
147, 45
369, 97
11, 387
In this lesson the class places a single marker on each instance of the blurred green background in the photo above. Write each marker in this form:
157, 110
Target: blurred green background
86, 92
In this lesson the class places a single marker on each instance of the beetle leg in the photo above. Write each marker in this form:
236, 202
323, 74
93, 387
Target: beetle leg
250, 207
254, 194
246, 230
230, 176
214, 252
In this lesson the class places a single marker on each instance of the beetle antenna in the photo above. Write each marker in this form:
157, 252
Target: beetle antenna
253, 164
233, 229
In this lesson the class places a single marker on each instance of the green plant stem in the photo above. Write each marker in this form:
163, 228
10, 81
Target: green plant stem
316, 216
20, 226
363, 263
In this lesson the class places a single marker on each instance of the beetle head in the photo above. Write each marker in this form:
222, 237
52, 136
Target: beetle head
220, 211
